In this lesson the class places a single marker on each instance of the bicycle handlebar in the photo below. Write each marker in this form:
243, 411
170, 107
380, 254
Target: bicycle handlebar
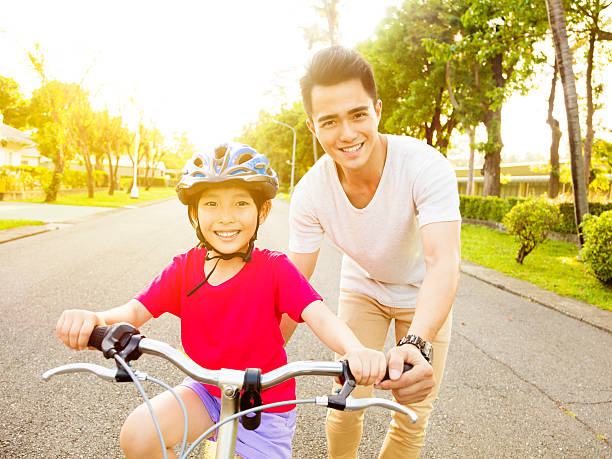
118, 339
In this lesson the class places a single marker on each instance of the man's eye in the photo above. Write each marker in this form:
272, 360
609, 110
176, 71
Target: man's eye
360, 115
328, 123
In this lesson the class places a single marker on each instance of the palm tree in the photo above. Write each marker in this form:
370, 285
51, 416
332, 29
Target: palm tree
556, 19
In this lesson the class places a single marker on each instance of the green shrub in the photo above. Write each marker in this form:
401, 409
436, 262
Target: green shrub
483, 208
530, 221
597, 249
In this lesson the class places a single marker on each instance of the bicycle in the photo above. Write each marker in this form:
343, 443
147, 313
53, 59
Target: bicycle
240, 390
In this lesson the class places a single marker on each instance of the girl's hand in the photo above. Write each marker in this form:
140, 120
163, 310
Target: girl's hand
75, 326
367, 365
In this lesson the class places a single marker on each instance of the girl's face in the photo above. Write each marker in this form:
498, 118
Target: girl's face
228, 218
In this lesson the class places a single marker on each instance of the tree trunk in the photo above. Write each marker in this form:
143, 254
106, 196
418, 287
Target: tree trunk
556, 18
491, 167
56, 179
470, 183
111, 174
90, 179
553, 181
590, 133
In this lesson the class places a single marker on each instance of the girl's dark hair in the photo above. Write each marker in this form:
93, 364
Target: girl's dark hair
335, 65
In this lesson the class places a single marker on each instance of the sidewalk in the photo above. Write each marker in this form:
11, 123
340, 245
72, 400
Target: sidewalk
59, 215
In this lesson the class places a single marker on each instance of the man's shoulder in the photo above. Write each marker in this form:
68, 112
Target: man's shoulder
410, 148
317, 177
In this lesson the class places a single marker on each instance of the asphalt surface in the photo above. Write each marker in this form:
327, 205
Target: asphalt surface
529, 373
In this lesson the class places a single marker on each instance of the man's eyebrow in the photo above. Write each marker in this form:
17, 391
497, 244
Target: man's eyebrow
323, 118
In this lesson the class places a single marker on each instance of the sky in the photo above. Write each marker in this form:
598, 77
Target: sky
204, 68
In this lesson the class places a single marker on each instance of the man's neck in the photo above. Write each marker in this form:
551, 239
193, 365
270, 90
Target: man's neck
361, 184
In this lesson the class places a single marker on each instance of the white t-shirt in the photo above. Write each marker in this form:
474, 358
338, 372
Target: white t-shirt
383, 254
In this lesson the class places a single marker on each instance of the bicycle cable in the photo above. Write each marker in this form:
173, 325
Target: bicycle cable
242, 413
129, 371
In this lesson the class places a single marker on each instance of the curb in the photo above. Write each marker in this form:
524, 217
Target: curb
579, 310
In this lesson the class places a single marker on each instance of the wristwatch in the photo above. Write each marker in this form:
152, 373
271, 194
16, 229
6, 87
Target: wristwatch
422, 345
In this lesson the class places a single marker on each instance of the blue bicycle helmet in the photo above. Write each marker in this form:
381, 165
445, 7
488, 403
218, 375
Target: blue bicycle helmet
229, 162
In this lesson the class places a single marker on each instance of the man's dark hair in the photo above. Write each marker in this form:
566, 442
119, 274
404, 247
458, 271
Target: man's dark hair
335, 65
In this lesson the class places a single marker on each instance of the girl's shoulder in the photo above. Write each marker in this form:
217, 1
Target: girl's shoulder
194, 255
268, 256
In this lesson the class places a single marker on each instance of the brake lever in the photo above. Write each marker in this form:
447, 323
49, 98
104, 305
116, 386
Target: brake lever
117, 374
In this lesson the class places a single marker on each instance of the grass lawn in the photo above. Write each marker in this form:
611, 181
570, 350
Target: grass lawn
552, 265
6, 224
103, 199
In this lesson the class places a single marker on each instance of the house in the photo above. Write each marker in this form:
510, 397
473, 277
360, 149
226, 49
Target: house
16, 147
517, 179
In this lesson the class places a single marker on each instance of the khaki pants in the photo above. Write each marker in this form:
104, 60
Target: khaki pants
370, 322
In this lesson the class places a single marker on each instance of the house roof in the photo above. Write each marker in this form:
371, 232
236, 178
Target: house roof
10, 134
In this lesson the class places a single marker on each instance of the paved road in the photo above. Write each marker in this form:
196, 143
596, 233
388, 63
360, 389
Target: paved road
49, 213
521, 381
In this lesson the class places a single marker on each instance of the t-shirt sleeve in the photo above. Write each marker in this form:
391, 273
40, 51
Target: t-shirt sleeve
163, 293
305, 231
435, 193
293, 291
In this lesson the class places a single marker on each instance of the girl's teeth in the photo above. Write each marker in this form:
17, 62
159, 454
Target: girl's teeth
227, 234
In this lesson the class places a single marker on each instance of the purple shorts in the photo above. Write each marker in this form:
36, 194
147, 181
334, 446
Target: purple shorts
271, 440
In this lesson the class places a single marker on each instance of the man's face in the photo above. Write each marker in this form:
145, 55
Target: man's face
345, 120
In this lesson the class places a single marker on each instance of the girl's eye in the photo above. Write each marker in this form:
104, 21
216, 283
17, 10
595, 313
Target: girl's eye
242, 203
210, 204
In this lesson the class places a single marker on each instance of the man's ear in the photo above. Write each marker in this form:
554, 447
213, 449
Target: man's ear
265, 211
310, 126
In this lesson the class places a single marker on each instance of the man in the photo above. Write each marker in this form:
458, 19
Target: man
390, 203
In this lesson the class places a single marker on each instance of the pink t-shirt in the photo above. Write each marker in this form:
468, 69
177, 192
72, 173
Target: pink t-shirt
235, 324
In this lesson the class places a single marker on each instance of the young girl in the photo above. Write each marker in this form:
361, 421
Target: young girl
230, 298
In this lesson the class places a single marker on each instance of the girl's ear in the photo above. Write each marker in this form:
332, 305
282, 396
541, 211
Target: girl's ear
192, 213
265, 211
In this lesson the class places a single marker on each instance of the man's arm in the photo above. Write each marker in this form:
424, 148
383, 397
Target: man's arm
305, 263
442, 253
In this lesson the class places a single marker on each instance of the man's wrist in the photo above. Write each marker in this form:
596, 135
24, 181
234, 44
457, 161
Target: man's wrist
424, 347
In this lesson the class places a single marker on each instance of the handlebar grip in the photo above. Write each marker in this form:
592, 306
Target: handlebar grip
407, 367
96, 337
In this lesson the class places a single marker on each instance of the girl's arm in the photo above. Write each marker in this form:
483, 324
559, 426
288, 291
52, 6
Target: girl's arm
75, 325
367, 365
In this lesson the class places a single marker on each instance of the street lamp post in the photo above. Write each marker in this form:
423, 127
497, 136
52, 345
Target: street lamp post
292, 157
134, 192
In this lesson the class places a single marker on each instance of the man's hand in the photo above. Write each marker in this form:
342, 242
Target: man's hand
414, 385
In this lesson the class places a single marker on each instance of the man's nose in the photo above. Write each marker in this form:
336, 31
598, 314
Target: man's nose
346, 131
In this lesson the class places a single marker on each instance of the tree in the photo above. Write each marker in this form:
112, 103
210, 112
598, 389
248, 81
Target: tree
411, 81
587, 19
556, 17
115, 142
501, 38
553, 181
276, 141
13, 106
49, 110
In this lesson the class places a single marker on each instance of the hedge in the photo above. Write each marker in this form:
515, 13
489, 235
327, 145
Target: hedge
493, 209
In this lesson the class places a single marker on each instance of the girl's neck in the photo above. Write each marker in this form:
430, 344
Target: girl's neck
225, 270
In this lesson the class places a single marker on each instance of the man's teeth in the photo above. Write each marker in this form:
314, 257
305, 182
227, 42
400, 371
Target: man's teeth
351, 149
226, 233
